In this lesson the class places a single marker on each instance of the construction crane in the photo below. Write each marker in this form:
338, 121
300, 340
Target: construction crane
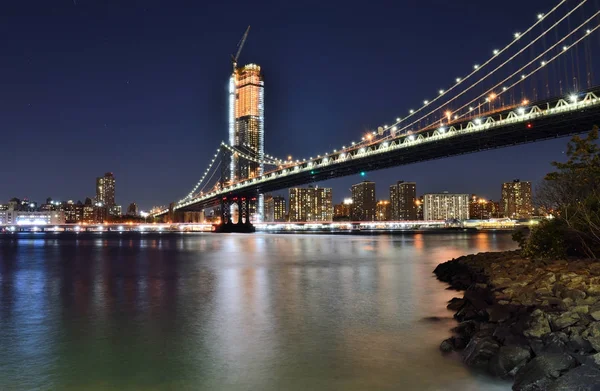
234, 59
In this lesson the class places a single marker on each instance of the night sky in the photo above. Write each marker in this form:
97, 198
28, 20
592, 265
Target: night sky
139, 88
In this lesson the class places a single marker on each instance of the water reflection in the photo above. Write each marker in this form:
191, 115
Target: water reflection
214, 311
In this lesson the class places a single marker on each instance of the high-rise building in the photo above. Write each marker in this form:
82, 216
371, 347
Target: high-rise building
516, 199
446, 206
383, 211
310, 204
363, 201
275, 209
343, 211
105, 190
403, 197
246, 120
480, 208
419, 203
247, 125
132, 209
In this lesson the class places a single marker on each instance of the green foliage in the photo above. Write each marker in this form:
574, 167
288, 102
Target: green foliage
547, 240
573, 191
520, 237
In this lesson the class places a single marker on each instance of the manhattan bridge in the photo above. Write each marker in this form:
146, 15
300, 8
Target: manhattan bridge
540, 85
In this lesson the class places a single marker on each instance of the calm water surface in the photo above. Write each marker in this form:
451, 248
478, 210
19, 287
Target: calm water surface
230, 312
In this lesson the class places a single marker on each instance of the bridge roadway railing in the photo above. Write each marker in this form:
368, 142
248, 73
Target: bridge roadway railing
551, 115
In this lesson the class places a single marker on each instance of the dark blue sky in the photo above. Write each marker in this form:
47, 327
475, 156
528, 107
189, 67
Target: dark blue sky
139, 88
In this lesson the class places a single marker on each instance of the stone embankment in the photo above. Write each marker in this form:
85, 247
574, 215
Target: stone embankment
537, 322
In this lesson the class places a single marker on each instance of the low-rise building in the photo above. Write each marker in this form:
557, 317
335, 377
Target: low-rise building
17, 217
445, 206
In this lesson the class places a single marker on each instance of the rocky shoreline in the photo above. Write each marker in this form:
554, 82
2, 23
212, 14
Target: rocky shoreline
537, 322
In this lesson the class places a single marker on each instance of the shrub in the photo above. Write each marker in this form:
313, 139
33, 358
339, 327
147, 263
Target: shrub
546, 240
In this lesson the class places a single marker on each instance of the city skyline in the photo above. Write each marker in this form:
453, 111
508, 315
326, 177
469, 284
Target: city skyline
127, 103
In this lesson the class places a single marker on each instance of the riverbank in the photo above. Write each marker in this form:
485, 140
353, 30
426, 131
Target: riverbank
537, 322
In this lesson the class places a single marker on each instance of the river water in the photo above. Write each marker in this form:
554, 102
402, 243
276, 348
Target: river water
230, 312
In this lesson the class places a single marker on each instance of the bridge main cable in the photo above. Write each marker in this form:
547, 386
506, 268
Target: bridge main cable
493, 71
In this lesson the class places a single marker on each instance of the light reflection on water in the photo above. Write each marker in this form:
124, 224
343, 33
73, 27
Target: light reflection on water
231, 312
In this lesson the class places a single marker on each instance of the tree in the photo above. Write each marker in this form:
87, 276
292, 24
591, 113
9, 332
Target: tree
573, 191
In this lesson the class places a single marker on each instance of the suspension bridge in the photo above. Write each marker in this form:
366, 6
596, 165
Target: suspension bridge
538, 86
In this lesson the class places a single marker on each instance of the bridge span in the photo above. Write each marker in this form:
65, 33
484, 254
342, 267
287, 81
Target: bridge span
542, 120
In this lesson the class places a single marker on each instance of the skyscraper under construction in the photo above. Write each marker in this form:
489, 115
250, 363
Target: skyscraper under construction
246, 121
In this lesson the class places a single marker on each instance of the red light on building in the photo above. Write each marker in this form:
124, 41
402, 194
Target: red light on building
529, 126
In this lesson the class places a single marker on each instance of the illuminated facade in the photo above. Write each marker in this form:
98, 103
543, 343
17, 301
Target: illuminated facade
275, 209
483, 209
383, 210
310, 204
246, 120
446, 206
403, 200
343, 211
32, 218
516, 199
105, 190
363, 201
247, 125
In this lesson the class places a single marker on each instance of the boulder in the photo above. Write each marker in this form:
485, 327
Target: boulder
554, 343
498, 313
573, 294
595, 315
538, 325
455, 304
578, 344
593, 289
466, 329
540, 372
564, 320
468, 312
479, 351
581, 309
508, 360
592, 335
447, 346
582, 378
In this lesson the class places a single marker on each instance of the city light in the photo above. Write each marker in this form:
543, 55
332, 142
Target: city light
573, 98
362, 173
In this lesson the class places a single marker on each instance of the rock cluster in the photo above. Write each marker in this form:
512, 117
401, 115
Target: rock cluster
537, 322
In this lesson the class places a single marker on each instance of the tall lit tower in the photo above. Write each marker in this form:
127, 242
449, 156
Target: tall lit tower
246, 121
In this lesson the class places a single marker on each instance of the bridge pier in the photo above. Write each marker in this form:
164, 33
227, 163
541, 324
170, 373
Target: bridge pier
242, 223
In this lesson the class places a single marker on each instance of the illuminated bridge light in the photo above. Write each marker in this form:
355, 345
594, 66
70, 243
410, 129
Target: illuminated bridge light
521, 110
477, 121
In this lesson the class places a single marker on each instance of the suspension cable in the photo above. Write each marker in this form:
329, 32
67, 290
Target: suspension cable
544, 63
499, 67
478, 68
